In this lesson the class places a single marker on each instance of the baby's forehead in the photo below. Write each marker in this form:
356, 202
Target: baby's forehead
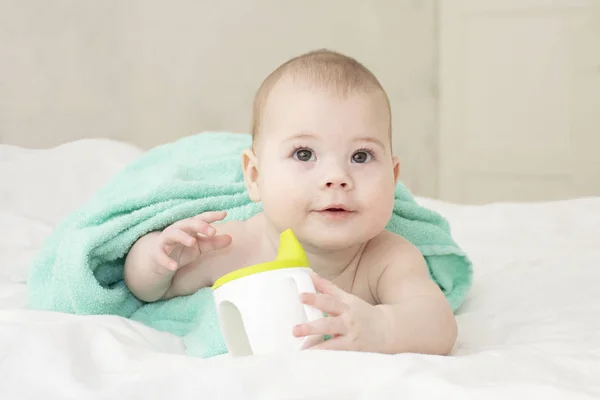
338, 83
295, 95
294, 107
291, 84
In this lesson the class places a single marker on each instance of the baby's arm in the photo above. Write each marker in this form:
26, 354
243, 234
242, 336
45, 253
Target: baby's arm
154, 260
145, 277
417, 316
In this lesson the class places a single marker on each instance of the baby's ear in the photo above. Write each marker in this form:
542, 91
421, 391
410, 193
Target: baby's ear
250, 169
396, 164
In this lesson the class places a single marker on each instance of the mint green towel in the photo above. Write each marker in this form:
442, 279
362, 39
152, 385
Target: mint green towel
80, 266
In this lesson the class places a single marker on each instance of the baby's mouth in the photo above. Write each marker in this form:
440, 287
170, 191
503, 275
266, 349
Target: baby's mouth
335, 207
335, 211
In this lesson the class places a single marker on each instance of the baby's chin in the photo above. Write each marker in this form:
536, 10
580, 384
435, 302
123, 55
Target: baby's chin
334, 240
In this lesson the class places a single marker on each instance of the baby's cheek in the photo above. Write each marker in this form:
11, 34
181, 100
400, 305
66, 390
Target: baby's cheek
382, 205
285, 200
294, 201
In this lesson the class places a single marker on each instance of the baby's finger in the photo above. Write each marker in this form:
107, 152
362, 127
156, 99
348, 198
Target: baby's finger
196, 227
211, 216
322, 285
178, 236
339, 343
322, 326
165, 261
214, 243
327, 303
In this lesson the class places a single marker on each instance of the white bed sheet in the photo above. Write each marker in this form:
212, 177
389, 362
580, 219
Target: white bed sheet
529, 328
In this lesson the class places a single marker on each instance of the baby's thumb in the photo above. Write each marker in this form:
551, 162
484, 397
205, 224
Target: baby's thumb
325, 286
214, 243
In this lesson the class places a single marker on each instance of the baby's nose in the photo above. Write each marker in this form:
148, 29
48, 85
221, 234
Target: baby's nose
337, 179
341, 184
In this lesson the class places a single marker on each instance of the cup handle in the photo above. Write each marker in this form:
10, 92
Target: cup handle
305, 285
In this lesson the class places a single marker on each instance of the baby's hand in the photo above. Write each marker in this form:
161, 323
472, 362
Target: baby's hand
354, 324
182, 242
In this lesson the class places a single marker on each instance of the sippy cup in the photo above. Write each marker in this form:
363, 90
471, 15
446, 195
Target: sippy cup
259, 305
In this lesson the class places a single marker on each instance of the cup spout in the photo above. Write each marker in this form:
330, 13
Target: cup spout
290, 249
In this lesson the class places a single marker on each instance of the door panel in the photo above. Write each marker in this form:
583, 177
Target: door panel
519, 100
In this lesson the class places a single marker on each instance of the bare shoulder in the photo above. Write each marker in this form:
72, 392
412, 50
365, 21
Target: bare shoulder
395, 266
210, 265
246, 248
229, 257
390, 250
233, 228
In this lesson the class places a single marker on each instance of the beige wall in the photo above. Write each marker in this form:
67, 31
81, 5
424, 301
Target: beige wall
152, 71
519, 100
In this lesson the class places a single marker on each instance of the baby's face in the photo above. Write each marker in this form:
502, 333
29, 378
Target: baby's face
325, 167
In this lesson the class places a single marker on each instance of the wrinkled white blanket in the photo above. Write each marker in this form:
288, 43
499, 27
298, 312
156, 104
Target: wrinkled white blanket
540, 338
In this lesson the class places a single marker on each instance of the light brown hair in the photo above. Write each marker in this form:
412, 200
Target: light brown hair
324, 69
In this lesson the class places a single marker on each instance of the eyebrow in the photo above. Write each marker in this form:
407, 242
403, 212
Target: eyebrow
308, 135
302, 135
371, 140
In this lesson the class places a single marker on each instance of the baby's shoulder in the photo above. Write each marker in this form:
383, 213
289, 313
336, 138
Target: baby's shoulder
241, 240
389, 252
246, 248
389, 246
235, 228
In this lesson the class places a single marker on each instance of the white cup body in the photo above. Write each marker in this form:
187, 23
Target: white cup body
258, 312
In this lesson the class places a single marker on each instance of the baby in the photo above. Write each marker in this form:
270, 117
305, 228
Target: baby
321, 163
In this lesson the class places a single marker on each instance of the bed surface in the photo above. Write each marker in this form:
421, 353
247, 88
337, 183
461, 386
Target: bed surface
530, 326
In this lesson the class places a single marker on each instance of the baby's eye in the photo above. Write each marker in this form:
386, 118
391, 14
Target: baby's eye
304, 155
361, 156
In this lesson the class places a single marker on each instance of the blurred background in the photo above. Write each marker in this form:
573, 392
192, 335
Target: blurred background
493, 100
